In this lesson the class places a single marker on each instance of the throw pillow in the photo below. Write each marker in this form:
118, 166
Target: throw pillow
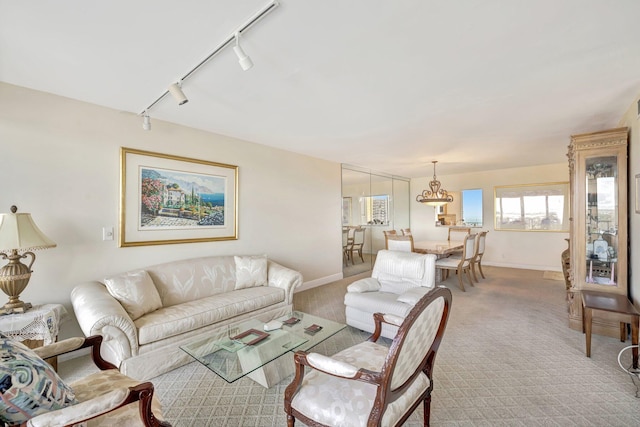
250, 271
135, 291
367, 284
28, 385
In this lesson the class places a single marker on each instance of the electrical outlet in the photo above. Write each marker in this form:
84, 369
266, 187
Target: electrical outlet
107, 233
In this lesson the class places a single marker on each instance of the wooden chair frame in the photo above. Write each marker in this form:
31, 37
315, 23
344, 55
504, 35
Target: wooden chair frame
464, 263
141, 393
382, 379
478, 253
399, 238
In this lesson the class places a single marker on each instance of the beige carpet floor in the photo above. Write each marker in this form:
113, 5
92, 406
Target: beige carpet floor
508, 358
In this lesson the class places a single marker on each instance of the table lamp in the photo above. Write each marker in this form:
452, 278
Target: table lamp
18, 233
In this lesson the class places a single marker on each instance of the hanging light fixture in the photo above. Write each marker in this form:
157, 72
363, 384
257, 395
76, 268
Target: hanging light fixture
435, 196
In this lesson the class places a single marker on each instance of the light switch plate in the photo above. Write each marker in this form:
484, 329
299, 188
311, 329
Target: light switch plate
107, 233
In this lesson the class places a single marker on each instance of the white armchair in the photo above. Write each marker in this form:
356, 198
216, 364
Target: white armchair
370, 384
397, 282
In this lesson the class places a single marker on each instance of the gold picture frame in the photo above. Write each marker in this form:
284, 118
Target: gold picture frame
637, 193
168, 199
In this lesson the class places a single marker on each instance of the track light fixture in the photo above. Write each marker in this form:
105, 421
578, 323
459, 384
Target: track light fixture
176, 91
245, 62
146, 121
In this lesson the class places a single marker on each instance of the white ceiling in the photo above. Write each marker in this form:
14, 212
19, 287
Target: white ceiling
388, 85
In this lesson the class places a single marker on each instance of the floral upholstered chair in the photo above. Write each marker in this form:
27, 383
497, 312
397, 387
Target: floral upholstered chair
32, 393
370, 384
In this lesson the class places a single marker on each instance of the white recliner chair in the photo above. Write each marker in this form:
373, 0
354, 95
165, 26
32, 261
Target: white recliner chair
398, 281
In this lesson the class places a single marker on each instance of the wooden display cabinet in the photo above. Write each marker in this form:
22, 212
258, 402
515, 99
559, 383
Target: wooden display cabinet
598, 231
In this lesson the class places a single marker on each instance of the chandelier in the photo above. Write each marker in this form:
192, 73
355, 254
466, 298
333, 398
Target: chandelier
435, 196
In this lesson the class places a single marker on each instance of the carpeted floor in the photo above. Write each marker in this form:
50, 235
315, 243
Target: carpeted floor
507, 359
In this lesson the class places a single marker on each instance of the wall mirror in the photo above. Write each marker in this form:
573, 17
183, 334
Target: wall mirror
373, 202
532, 207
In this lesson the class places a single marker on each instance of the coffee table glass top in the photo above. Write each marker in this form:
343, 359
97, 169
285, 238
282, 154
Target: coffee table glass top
245, 347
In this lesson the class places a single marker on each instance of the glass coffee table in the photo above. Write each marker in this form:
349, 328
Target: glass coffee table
245, 349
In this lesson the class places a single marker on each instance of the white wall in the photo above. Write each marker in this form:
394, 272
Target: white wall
516, 249
59, 160
631, 120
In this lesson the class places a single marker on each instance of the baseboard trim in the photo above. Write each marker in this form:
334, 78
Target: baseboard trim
525, 266
319, 282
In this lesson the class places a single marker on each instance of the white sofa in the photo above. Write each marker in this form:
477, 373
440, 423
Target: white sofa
397, 282
145, 315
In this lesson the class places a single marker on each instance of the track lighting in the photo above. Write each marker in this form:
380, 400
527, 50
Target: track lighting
146, 122
176, 91
245, 62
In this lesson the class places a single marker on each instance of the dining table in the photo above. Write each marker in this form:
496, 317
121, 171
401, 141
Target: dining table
438, 247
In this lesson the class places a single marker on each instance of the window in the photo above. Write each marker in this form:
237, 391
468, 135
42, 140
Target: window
374, 210
472, 207
534, 207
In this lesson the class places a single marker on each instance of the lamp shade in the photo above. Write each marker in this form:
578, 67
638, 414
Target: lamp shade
18, 231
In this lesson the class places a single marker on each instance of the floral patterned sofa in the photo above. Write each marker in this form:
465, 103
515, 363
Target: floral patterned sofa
145, 315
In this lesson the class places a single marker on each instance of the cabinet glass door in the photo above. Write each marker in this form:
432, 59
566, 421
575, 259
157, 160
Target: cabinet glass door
602, 220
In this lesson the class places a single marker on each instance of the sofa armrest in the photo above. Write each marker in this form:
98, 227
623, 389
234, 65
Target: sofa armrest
98, 313
284, 278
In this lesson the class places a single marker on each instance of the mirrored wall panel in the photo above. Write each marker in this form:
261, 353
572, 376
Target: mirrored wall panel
372, 203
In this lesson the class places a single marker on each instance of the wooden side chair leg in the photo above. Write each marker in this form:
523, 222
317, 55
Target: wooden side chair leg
468, 273
480, 269
473, 270
460, 280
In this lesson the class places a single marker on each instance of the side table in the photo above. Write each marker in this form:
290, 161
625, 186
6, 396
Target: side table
617, 305
36, 327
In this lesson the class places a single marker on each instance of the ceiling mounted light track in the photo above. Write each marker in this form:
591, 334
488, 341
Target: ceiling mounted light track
435, 196
244, 60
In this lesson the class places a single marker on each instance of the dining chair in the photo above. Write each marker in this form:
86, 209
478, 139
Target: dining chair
372, 384
400, 243
406, 231
357, 243
346, 243
458, 233
388, 233
460, 265
477, 257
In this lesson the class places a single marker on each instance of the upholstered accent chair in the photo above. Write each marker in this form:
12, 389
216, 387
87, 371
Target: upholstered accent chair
461, 265
371, 384
105, 398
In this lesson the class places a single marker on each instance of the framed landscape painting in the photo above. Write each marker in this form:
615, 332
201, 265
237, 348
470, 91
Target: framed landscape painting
168, 199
